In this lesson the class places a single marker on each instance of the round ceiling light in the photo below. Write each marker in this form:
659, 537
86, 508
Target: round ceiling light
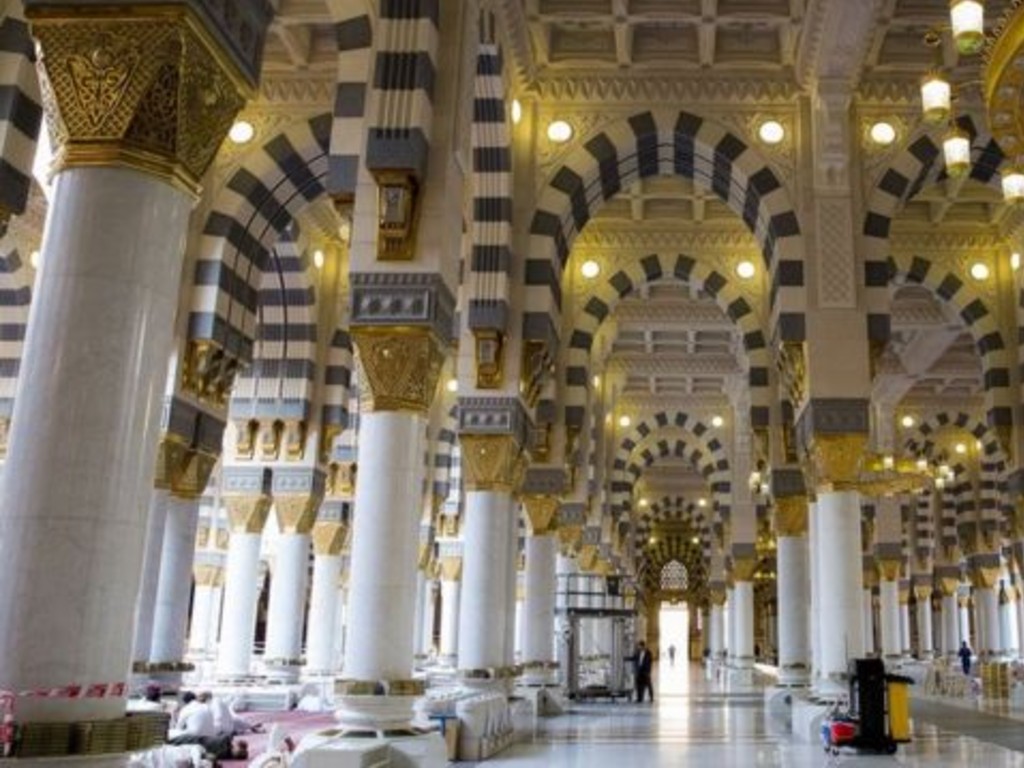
590, 269
624, 421
559, 131
907, 422
979, 271
33, 259
242, 132
717, 421
771, 132
745, 269
883, 133
452, 385
318, 259
517, 111
596, 381
960, 448
1015, 261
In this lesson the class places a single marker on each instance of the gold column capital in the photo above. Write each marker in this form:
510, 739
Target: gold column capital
983, 577
588, 557
329, 537
744, 568
947, 585
147, 87
569, 537
541, 510
296, 513
922, 592
790, 516
490, 462
837, 459
904, 596
889, 568
180, 469
451, 568
208, 374
716, 596
400, 367
208, 575
247, 513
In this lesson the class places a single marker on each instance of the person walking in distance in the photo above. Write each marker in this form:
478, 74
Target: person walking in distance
672, 655
642, 672
965, 657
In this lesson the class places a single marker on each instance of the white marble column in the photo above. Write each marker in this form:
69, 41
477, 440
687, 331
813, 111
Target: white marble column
841, 578
793, 599
905, 623
385, 541
289, 578
486, 570
716, 630
987, 600
925, 648
964, 615
539, 602
146, 603
427, 618
889, 615
241, 585
1007, 626
869, 622
328, 539
950, 626
84, 433
1019, 612
340, 620
451, 591
511, 586
743, 632
174, 586
814, 558
209, 580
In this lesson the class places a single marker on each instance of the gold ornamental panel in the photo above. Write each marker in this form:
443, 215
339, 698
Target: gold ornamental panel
569, 538
588, 557
181, 470
208, 575
922, 592
948, 585
791, 516
490, 462
541, 511
983, 577
744, 568
400, 367
148, 89
451, 568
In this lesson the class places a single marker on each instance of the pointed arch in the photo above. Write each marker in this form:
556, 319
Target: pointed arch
652, 143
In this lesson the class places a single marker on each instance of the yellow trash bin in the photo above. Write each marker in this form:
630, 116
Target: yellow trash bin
899, 709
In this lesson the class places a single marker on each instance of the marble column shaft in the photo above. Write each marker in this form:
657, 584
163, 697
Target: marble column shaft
174, 586
323, 613
793, 613
539, 608
146, 603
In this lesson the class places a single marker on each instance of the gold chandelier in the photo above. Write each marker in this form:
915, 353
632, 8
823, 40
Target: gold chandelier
1003, 80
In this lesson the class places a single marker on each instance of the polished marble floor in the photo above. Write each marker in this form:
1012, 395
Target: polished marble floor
698, 723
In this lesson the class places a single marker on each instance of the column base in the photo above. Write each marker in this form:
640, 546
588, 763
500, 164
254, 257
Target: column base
418, 750
385, 706
794, 676
539, 673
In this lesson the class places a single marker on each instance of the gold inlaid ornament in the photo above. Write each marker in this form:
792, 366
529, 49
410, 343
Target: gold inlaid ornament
400, 367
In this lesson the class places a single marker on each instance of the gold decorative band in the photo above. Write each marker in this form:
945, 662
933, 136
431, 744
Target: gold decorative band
400, 366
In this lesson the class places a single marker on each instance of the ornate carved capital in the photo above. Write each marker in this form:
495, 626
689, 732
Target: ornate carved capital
296, 514
837, 459
144, 86
790, 516
889, 568
182, 470
208, 374
588, 557
329, 537
490, 462
399, 366
247, 514
744, 568
541, 511
922, 592
451, 568
569, 537
948, 585
983, 577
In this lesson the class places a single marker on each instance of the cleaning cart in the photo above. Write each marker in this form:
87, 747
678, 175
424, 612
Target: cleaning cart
877, 719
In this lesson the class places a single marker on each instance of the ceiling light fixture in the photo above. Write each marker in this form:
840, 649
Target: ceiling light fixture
960, 448
452, 385
559, 131
1015, 261
34, 259
967, 18
979, 271
883, 133
624, 421
1013, 184
771, 132
717, 421
643, 502
907, 422
702, 502
318, 259
242, 132
517, 111
956, 150
590, 269
596, 381
745, 269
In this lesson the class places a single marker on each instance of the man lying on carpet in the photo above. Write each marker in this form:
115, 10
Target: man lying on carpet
196, 725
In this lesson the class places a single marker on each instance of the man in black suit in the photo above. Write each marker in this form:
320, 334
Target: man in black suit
642, 672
